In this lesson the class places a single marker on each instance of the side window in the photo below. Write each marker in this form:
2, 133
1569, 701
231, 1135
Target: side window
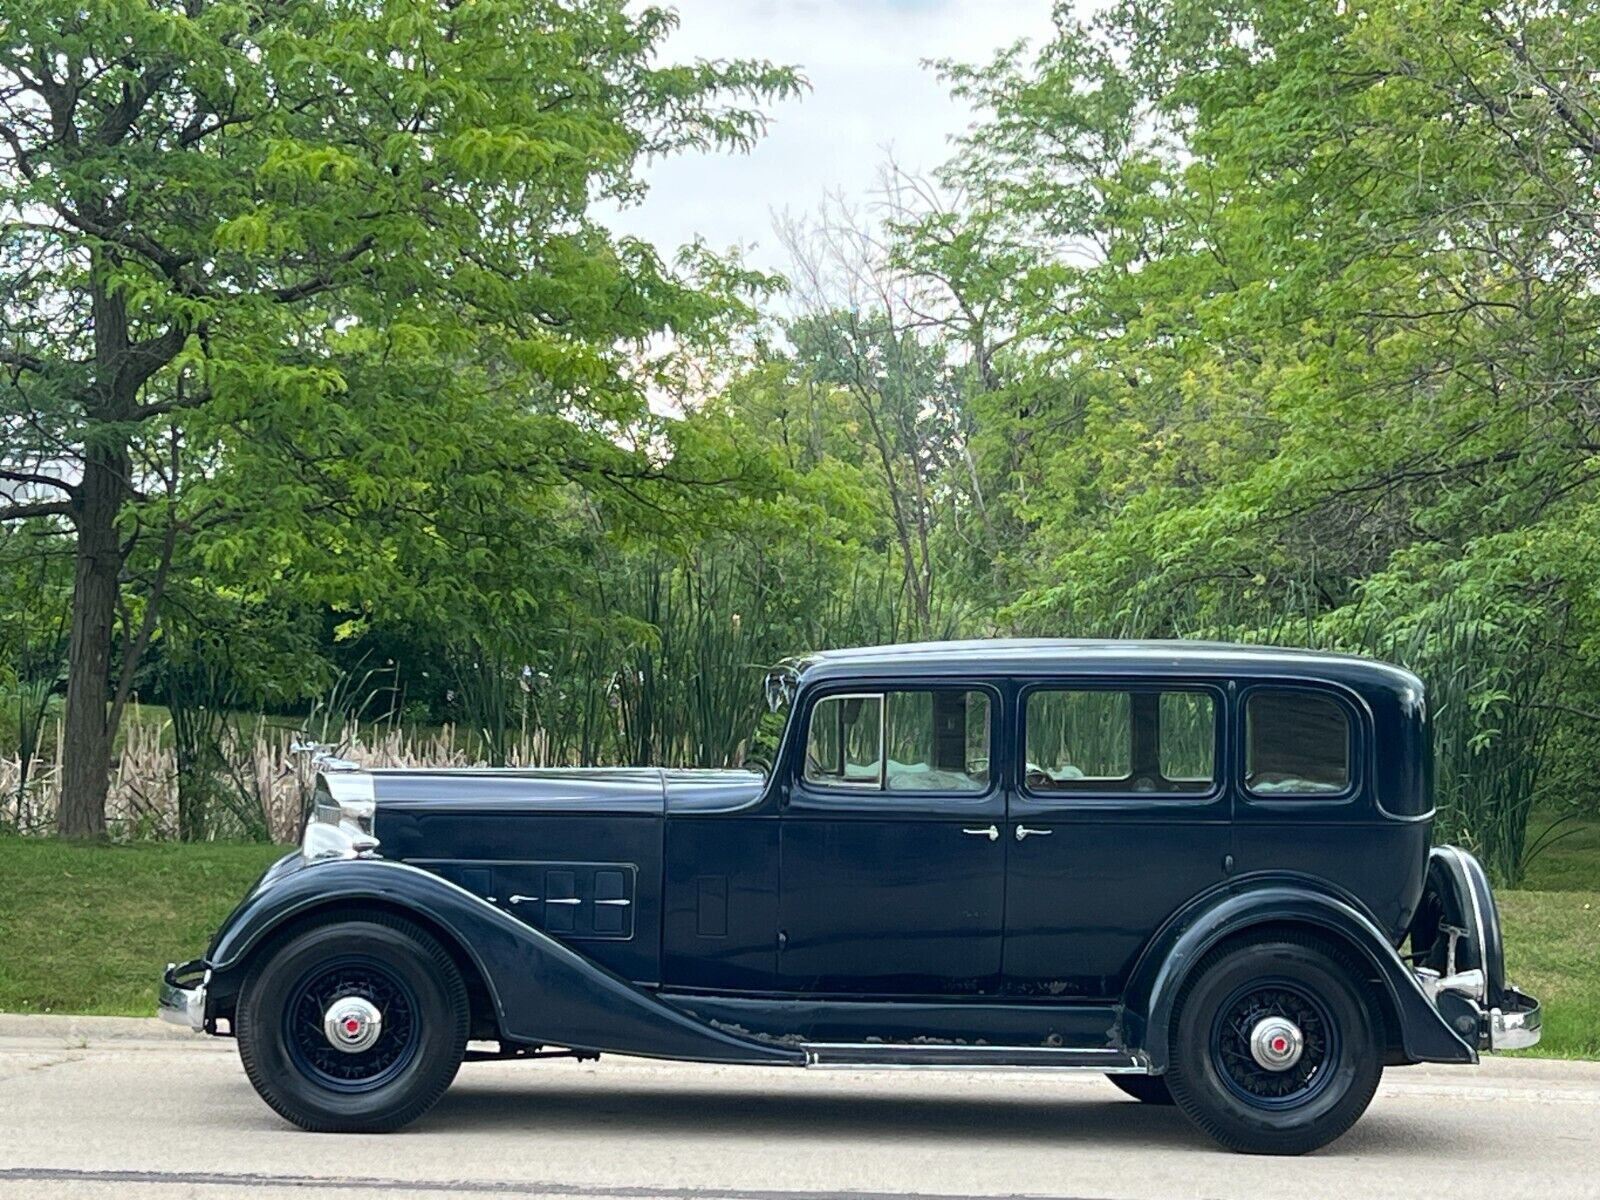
1188, 737
1297, 743
845, 744
1079, 739
904, 741
1089, 740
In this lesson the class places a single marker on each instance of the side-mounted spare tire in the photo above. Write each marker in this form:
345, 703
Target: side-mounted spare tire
353, 1026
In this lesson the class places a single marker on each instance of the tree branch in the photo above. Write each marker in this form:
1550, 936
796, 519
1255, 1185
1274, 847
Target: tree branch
18, 361
34, 477
322, 280
41, 508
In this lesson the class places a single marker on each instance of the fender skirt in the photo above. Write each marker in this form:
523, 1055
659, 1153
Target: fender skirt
543, 991
1424, 1034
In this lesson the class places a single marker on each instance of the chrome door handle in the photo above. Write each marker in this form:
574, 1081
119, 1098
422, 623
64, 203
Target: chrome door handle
992, 832
523, 899
1023, 832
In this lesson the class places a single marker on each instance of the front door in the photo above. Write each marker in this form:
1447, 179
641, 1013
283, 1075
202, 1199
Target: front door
892, 856
1119, 817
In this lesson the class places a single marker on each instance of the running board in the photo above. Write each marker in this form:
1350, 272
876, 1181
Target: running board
859, 1056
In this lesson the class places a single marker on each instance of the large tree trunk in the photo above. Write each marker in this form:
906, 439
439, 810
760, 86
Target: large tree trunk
87, 752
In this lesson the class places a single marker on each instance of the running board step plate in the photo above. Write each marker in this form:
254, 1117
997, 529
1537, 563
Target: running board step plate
925, 1055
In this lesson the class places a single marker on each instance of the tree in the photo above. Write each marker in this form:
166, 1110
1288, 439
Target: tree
1310, 355
241, 241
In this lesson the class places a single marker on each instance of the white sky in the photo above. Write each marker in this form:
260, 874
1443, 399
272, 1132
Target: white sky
869, 94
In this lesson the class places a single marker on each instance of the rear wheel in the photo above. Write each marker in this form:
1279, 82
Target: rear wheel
1147, 1089
1274, 1049
353, 1026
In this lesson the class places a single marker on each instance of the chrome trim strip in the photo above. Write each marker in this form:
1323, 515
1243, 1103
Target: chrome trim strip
1477, 917
1098, 1061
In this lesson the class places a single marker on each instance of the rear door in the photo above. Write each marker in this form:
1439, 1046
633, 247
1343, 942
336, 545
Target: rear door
1118, 817
892, 849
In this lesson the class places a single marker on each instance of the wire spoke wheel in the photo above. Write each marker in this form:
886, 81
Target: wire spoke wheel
1273, 1044
327, 1002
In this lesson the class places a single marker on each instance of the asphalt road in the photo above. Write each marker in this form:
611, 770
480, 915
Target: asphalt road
103, 1107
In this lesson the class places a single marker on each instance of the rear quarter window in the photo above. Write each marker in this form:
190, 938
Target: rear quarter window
1297, 743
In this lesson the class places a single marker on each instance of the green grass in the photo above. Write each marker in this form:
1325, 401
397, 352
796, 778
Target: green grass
1553, 952
87, 929
1569, 858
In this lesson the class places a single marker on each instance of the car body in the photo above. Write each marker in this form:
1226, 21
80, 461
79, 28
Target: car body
1190, 866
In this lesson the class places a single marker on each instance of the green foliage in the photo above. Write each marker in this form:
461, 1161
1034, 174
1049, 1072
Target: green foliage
1274, 322
309, 299
1303, 351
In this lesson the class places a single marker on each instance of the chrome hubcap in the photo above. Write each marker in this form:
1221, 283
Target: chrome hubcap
1276, 1043
352, 1024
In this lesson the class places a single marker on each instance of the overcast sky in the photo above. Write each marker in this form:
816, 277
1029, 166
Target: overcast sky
869, 92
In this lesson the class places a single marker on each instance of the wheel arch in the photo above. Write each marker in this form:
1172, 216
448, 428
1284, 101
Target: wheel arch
485, 1018
1413, 1028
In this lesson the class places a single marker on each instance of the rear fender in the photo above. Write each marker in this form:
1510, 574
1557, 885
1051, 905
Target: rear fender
1424, 1035
542, 990
1458, 896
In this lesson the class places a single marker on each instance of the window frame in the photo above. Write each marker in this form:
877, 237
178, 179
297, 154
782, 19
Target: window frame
1124, 794
1356, 737
879, 787
844, 783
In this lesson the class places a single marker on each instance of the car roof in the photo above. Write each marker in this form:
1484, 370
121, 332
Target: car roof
1084, 656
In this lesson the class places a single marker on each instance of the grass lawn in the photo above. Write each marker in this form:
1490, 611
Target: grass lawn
88, 929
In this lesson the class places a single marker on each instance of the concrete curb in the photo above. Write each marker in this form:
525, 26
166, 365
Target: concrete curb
80, 1029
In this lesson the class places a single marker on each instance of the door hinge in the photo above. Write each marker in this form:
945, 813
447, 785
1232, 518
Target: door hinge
783, 939
1227, 864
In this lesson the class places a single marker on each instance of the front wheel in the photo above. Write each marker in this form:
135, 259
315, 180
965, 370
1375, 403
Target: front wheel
353, 1026
1274, 1047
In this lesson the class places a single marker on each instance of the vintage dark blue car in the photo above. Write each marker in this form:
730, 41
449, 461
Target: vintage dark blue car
1203, 870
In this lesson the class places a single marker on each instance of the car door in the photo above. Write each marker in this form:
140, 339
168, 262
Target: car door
1119, 816
892, 860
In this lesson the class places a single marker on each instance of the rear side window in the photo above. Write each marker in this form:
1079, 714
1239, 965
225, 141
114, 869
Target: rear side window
1297, 743
1091, 740
910, 741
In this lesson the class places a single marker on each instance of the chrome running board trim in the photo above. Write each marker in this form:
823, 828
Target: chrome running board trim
866, 1056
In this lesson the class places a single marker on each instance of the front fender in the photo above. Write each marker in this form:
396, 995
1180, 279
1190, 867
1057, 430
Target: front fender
543, 991
1424, 1035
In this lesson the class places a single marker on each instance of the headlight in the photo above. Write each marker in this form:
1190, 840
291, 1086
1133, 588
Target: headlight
342, 812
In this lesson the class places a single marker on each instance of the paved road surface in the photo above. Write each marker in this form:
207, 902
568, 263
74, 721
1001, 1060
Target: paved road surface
94, 1108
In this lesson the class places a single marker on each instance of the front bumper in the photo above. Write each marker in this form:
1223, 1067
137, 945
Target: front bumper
182, 998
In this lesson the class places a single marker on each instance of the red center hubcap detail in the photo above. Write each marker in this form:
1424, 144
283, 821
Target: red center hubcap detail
1279, 1044
352, 1025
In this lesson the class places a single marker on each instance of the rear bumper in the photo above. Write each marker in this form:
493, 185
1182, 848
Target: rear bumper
182, 997
1517, 1024
1512, 1024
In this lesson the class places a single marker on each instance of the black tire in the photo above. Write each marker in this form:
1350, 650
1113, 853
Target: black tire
1219, 1084
393, 964
1146, 1089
